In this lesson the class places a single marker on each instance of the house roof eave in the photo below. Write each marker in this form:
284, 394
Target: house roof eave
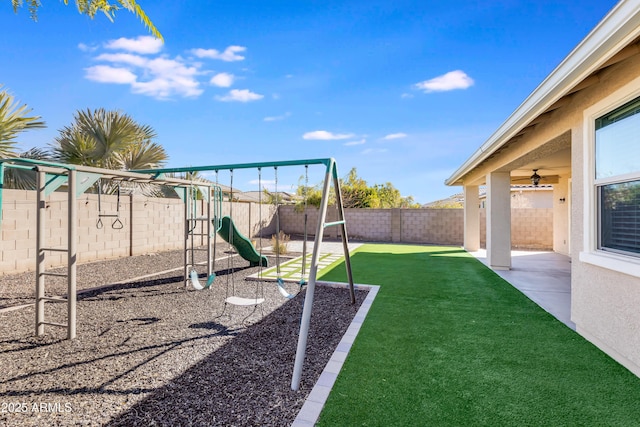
617, 29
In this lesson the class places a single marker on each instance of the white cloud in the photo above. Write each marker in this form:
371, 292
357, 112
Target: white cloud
374, 151
164, 88
229, 54
450, 81
86, 48
159, 77
326, 136
141, 44
137, 62
222, 80
395, 136
170, 77
240, 95
277, 118
359, 142
108, 74
123, 58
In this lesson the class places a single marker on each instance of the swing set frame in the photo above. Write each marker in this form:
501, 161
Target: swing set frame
51, 176
331, 175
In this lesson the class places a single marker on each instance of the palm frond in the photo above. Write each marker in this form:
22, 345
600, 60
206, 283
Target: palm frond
14, 119
25, 179
91, 7
75, 147
134, 7
108, 139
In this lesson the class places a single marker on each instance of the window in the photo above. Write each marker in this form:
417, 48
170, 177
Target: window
617, 179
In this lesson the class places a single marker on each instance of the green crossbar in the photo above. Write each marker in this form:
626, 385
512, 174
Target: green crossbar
327, 162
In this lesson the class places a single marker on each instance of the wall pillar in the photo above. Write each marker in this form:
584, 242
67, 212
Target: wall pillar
499, 220
471, 218
396, 225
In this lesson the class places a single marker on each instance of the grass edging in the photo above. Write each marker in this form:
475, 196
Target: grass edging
312, 407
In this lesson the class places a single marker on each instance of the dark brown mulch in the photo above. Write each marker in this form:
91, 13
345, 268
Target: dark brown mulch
151, 352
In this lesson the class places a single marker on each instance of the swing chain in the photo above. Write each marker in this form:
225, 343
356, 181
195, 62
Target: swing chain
303, 281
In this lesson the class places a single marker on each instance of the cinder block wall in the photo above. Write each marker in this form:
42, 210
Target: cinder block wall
530, 228
147, 225
438, 226
18, 245
374, 225
144, 225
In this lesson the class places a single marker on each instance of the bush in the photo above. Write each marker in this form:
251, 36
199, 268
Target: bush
280, 242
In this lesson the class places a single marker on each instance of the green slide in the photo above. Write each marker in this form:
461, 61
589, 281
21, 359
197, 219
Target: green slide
244, 247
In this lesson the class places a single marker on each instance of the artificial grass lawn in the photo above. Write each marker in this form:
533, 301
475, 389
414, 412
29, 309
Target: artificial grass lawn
449, 343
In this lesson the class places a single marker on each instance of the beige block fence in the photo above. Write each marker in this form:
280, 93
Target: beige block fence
530, 228
155, 224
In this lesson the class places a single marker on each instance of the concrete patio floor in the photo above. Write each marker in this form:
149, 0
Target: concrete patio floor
544, 277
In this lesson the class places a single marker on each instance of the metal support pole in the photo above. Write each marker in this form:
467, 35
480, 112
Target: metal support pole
187, 225
40, 242
343, 232
308, 301
72, 229
210, 253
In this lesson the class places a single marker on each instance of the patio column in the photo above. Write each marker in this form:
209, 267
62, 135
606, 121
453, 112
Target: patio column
471, 218
499, 220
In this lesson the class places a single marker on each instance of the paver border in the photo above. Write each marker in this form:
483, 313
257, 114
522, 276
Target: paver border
313, 405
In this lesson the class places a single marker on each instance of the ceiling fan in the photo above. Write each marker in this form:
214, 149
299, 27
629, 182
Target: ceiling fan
535, 179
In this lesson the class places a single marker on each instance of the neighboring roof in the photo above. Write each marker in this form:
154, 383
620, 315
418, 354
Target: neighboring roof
456, 198
459, 197
617, 29
255, 196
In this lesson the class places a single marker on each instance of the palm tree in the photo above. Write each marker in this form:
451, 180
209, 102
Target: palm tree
110, 140
25, 179
14, 119
91, 7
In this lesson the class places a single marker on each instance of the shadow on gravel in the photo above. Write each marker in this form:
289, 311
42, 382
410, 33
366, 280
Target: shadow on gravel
147, 283
247, 381
160, 350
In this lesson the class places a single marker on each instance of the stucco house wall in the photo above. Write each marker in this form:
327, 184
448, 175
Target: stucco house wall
600, 75
605, 300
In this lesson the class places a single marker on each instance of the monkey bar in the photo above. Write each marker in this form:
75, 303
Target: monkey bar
51, 176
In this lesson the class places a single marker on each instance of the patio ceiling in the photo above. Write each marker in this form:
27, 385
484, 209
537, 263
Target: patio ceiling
549, 168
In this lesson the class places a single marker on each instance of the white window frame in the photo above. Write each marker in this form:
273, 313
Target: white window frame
622, 263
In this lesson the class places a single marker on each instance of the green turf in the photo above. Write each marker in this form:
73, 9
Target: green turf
449, 343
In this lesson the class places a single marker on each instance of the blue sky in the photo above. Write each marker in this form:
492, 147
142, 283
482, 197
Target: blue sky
404, 91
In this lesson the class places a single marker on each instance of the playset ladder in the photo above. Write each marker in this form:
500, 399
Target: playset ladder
42, 251
197, 226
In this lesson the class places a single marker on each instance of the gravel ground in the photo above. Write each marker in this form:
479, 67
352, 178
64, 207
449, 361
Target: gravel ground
152, 352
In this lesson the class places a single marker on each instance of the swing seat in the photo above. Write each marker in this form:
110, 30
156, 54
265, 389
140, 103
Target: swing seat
282, 290
195, 282
244, 301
